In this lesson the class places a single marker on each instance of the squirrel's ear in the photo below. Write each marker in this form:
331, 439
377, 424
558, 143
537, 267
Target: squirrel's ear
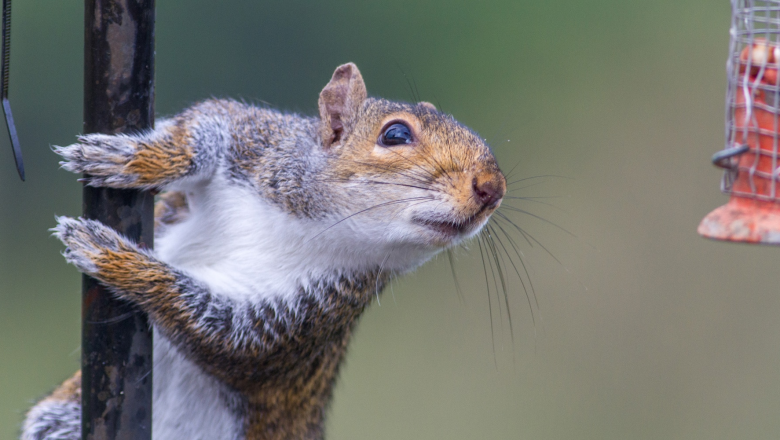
340, 100
427, 105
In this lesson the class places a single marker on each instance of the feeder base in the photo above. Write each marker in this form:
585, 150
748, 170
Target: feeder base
745, 220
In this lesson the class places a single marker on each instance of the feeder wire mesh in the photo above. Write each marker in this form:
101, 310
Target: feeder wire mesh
752, 102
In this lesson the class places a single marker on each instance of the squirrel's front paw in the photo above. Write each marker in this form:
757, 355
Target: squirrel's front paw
119, 264
90, 243
103, 157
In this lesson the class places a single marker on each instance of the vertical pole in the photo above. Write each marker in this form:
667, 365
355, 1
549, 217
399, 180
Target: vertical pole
116, 337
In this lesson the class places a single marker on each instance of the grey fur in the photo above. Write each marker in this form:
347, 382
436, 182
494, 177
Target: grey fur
53, 420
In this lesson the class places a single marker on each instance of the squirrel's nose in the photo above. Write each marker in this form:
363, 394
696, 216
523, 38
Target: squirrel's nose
488, 192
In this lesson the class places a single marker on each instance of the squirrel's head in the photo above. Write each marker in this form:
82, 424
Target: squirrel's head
406, 173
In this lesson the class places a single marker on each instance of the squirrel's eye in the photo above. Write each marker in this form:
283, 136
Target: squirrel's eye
396, 134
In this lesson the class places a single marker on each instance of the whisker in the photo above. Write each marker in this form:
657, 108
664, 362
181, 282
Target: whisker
416, 177
525, 187
376, 182
413, 204
454, 275
514, 266
533, 199
509, 174
539, 177
115, 319
420, 171
522, 263
438, 104
392, 202
454, 160
490, 301
491, 243
416, 91
438, 165
500, 215
441, 167
425, 158
525, 233
488, 251
411, 90
522, 211
418, 165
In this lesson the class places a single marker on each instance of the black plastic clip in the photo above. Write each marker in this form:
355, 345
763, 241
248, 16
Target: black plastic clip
724, 159
5, 68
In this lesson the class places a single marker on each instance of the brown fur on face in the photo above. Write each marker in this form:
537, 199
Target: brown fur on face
446, 158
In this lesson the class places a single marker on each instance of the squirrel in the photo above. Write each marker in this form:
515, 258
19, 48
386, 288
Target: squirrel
275, 232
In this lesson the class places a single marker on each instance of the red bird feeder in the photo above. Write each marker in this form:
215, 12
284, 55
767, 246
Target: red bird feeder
750, 159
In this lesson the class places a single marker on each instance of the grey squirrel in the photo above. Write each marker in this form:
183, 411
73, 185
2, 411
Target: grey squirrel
274, 234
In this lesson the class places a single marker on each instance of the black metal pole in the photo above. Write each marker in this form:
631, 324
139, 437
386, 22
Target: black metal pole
116, 342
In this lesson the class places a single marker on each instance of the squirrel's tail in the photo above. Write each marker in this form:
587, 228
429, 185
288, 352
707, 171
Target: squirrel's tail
58, 416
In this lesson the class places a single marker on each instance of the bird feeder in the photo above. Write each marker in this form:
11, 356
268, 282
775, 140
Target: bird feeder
750, 158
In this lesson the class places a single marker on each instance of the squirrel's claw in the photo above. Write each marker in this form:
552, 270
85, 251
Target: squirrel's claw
88, 242
102, 157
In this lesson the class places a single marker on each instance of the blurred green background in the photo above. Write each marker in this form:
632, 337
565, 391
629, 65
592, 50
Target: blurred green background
647, 331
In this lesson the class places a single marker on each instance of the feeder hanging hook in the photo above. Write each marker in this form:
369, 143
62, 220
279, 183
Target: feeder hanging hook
6, 66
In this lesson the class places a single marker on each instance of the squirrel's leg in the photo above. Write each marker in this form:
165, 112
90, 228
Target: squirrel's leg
220, 334
145, 160
188, 145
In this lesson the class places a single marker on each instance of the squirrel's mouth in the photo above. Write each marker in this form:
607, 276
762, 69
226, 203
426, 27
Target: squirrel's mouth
450, 228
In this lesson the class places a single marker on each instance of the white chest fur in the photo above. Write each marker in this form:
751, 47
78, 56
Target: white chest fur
188, 403
248, 249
